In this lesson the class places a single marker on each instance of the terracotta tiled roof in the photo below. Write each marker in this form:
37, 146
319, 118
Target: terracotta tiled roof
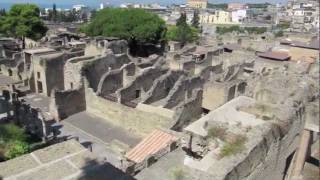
153, 143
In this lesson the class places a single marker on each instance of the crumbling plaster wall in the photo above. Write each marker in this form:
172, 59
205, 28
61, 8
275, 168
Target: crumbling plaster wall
94, 70
162, 86
142, 83
115, 79
188, 111
268, 159
118, 47
73, 72
183, 90
216, 94
50, 70
291, 94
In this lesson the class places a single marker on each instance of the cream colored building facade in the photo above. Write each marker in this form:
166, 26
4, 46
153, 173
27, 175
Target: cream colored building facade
198, 3
216, 17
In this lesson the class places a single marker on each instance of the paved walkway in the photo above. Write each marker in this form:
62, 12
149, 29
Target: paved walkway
94, 131
102, 129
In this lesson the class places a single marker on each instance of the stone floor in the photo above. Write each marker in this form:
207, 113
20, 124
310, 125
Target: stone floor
162, 169
311, 169
107, 141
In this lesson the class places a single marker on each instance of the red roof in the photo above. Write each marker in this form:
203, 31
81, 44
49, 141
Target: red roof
153, 143
276, 55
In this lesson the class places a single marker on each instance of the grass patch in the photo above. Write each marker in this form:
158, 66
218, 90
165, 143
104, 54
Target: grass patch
177, 173
217, 132
234, 146
14, 141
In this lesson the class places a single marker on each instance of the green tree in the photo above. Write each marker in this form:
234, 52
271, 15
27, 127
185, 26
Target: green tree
93, 13
182, 19
23, 21
2, 12
195, 19
54, 13
137, 26
183, 34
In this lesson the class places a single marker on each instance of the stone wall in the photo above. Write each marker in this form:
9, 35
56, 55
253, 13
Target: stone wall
49, 70
26, 116
113, 80
110, 82
188, 111
268, 159
216, 94
67, 103
73, 72
162, 86
118, 47
210, 71
142, 83
183, 90
95, 69
134, 120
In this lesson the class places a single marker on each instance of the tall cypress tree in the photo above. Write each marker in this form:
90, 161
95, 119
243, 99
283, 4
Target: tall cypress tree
182, 21
54, 13
195, 20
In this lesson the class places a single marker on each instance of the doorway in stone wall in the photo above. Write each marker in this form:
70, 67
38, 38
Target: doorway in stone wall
231, 93
242, 88
40, 88
138, 93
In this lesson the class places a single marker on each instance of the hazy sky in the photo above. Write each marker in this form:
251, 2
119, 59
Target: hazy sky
117, 2
95, 3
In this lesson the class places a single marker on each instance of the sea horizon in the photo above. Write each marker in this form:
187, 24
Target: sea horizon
96, 3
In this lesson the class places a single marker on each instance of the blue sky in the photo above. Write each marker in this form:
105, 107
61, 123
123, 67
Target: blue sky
117, 2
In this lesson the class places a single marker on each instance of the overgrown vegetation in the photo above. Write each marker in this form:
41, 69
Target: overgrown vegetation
182, 32
195, 20
218, 6
217, 132
23, 21
283, 25
278, 34
177, 173
258, 5
13, 141
251, 30
233, 146
137, 26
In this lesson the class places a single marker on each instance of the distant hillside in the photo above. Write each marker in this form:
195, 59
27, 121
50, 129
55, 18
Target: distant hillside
218, 6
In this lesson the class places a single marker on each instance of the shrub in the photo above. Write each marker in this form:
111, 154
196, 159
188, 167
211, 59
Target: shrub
13, 141
16, 148
278, 34
10, 132
217, 132
283, 25
233, 147
177, 173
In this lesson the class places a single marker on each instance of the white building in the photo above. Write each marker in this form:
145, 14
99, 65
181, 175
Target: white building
79, 7
239, 15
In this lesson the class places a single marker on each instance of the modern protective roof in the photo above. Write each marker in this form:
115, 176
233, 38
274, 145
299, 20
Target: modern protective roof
152, 144
275, 55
